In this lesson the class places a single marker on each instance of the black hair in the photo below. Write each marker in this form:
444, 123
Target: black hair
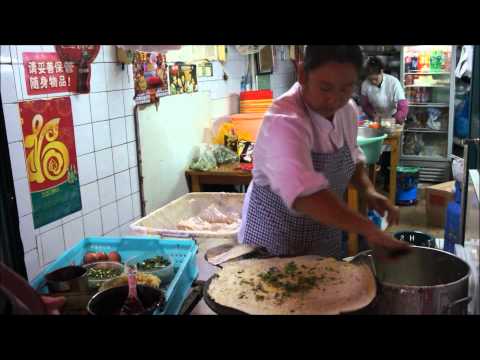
318, 55
374, 66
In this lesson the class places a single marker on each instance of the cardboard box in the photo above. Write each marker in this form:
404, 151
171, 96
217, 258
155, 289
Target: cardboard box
437, 198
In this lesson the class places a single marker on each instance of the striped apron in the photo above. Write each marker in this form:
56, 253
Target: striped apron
271, 224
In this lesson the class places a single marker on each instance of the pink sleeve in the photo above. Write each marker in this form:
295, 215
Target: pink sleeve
402, 111
366, 106
287, 160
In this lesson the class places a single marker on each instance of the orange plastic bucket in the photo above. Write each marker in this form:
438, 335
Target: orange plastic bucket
249, 123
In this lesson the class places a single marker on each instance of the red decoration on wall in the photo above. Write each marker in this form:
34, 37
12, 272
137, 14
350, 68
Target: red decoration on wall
82, 56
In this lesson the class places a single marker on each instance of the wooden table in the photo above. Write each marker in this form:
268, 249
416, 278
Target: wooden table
228, 174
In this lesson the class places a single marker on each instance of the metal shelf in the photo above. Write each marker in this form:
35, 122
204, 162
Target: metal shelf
424, 158
428, 105
428, 131
428, 73
447, 86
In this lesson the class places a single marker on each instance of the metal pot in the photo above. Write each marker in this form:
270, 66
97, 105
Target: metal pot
416, 238
426, 281
69, 278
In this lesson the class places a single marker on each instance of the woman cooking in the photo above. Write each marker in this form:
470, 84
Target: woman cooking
305, 156
382, 97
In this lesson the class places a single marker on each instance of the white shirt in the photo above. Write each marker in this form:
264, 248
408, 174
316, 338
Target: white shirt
384, 99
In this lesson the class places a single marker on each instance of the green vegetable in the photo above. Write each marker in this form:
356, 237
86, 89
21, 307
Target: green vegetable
103, 274
158, 262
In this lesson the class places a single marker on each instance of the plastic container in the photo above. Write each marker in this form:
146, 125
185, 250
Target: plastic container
407, 181
182, 251
256, 95
372, 147
165, 274
249, 123
452, 221
164, 221
95, 284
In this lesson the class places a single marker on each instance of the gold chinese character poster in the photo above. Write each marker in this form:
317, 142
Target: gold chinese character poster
49, 144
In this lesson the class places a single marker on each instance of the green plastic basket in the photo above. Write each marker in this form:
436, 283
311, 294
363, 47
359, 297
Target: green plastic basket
372, 147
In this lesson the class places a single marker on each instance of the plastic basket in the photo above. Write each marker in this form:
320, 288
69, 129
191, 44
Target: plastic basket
164, 221
256, 94
372, 147
182, 251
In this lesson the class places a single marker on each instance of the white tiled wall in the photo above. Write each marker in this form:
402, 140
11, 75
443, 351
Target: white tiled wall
105, 143
106, 149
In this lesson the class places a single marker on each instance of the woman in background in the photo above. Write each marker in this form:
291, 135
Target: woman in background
383, 97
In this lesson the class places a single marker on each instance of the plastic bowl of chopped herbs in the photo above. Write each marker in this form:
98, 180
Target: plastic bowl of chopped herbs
158, 264
99, 272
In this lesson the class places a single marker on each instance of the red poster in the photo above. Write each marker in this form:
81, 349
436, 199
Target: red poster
45, 73
49, 144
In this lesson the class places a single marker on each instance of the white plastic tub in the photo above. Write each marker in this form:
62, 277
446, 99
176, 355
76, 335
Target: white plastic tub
164, 221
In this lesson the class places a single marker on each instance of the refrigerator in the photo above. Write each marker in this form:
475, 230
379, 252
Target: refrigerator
428, 78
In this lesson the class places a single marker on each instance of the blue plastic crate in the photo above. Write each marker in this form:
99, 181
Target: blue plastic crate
182, 251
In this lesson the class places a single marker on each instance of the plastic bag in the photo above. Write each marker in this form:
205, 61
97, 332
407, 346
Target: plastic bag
223, 155
434, 122
458, 169
227, 130
204, 160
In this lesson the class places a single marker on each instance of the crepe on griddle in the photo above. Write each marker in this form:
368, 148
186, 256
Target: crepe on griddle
304, 285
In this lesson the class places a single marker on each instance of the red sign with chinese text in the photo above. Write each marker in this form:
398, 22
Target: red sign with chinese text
45, 73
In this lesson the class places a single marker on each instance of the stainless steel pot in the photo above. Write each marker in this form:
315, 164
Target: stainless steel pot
426, 281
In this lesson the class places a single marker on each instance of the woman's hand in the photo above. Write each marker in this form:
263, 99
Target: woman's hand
381, 204
385, 246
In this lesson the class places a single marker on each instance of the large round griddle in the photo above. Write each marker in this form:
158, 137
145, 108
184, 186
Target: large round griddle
225, 310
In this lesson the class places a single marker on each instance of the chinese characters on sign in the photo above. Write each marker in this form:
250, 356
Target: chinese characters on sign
46, 73
49, 145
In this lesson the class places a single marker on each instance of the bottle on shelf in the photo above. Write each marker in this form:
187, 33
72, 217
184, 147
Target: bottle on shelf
408, 62
433, 60
426, 62
421, 61
414, 62
446, 60
418, 95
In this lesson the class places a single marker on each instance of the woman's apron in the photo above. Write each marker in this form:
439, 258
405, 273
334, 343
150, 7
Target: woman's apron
272, 225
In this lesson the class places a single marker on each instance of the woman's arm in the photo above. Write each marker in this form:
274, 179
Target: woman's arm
402, 111
367, 107
375, 200
325, 207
